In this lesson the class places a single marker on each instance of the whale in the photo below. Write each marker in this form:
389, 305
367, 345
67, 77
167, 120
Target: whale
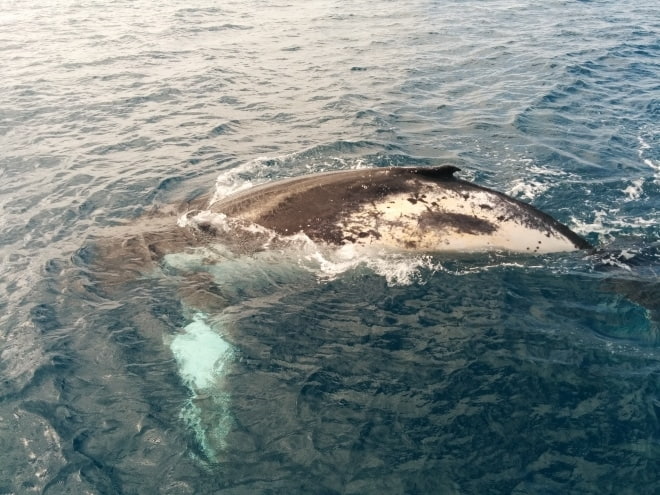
213, 261
401, 209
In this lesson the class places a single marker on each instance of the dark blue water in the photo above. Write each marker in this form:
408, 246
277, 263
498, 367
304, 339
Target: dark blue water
391, 374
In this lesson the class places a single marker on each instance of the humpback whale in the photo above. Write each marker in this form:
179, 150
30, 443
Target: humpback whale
406, 209
396, 209
401, 208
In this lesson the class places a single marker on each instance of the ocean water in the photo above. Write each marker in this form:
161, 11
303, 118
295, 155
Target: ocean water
308, 371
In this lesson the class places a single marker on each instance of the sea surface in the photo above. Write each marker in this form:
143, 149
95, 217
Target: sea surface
303, 371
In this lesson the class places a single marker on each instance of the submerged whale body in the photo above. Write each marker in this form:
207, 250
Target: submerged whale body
400, 209
420, 209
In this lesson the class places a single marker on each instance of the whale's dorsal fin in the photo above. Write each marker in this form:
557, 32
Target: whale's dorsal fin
444, 172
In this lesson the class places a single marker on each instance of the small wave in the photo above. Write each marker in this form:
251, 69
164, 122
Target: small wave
528, 189
339, 155
544, 179
598, 224
249, 174
634, 190
397, 269
643, 151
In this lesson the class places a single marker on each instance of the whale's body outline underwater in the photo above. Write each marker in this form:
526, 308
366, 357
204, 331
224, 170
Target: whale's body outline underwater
400, 209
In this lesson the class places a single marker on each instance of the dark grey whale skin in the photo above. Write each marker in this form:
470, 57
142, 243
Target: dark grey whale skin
314, 204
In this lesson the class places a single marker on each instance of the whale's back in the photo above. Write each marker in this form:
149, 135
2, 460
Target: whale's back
424, 209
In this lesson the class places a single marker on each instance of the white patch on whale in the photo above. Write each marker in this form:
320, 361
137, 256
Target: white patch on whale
399, 221
203, 358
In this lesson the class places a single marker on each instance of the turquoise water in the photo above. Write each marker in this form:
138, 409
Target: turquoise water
317, 372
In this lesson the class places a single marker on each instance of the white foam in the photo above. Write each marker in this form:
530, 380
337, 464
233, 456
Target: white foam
599, 224
262, 169
634, 189
397, 268
527, 189
197, 217
652, 164
615, 261
403, 270
530, 189
249, 174
610, 223
644, 146
233, 181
